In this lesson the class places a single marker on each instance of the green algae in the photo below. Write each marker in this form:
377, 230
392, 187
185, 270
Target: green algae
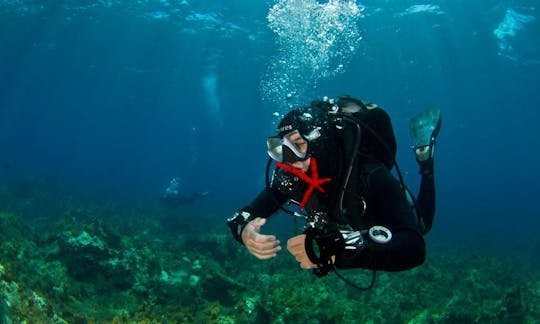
89, 268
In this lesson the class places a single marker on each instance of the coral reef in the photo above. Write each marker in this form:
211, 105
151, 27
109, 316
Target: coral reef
111, 264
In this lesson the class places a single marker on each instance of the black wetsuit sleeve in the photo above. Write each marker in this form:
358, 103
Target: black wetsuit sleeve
266, 203
388, 204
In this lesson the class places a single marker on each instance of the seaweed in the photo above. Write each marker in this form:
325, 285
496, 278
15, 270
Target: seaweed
107, 263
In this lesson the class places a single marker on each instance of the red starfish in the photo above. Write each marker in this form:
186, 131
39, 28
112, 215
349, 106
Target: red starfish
314, 182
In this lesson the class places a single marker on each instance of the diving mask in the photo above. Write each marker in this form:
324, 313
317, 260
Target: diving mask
292, 147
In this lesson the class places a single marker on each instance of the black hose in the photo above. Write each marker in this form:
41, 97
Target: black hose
352, 284
394, 162
351, 162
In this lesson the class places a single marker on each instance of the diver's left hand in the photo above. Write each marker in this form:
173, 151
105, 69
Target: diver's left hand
297, 247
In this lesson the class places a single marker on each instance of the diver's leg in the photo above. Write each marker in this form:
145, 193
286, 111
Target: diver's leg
426, 195
424, 130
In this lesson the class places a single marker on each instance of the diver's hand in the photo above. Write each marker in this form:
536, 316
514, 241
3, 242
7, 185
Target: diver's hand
297, 247
260, 245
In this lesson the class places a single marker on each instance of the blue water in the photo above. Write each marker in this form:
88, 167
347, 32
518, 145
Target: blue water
114, 98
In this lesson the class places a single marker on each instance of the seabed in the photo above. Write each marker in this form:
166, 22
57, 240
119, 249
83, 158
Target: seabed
80, 262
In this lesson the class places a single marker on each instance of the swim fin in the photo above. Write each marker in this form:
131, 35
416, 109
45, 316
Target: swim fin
424, 129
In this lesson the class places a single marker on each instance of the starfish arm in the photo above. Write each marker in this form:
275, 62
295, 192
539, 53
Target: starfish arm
295, 171
314, 169
314, 182
306, 197
320, 182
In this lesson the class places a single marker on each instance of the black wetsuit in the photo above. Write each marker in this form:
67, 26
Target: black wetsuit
373, 196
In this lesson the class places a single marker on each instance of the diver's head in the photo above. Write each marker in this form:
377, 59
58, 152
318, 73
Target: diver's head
298, 134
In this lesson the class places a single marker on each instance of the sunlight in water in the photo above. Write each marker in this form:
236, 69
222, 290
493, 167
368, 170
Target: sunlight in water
213, 104
508, 28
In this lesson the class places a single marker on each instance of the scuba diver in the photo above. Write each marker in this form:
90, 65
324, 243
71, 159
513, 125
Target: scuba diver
333, 160
175, 196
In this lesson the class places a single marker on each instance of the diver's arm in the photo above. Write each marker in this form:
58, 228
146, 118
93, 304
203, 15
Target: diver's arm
246, 224
263, 206
406, 249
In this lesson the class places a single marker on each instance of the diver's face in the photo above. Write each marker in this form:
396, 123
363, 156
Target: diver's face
301, 144
298, 141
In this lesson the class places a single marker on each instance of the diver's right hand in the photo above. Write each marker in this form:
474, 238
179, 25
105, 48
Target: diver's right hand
260, 245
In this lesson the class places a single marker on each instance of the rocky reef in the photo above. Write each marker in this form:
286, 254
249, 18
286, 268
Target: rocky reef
103, 264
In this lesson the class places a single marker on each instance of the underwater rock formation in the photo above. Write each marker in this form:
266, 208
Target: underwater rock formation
88, 258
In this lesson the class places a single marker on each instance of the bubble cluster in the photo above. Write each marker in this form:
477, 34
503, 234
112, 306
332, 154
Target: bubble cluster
314, 41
